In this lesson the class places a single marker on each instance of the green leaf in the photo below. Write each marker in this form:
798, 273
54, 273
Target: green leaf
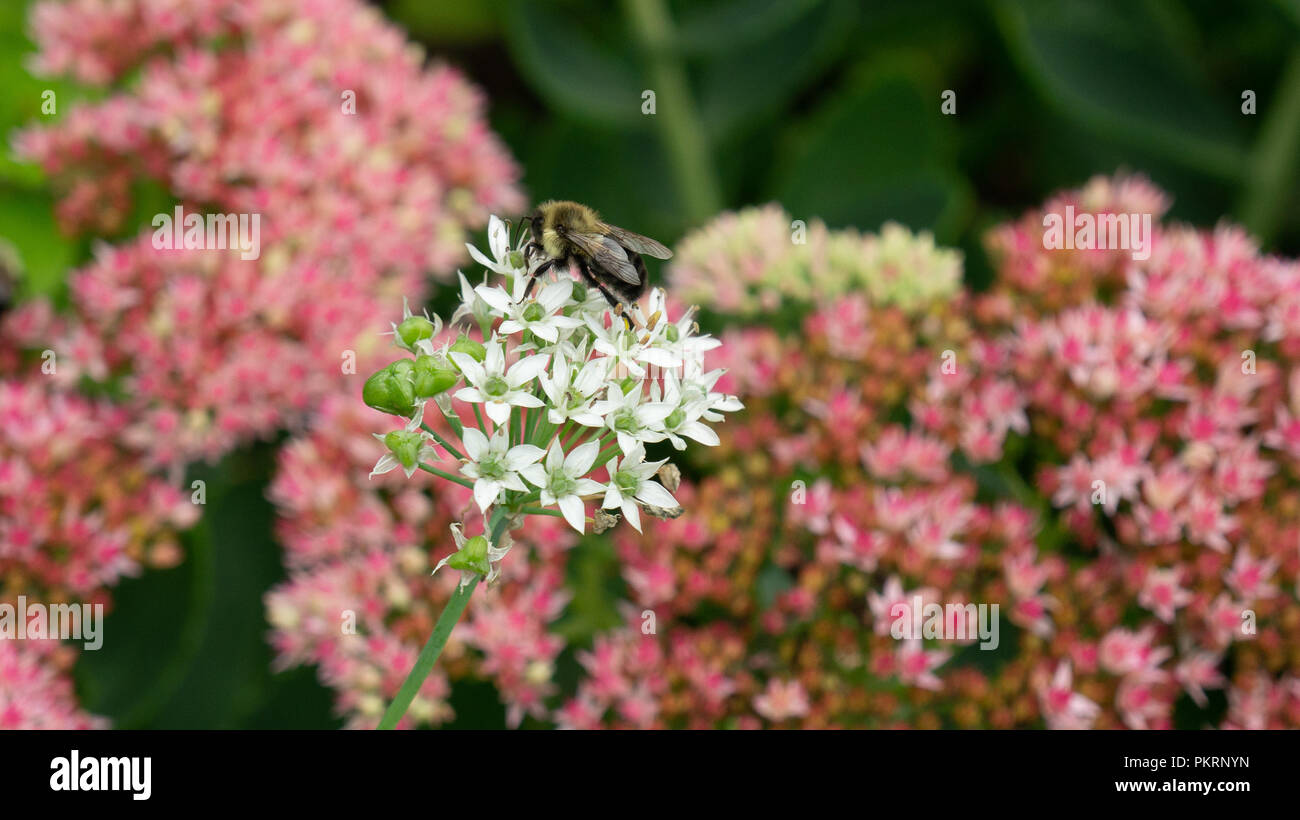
1113, 68
718, 27
590, 76
739, 87
27, 217
186, 648
880, 153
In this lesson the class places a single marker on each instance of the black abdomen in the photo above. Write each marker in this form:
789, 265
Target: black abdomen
607, 281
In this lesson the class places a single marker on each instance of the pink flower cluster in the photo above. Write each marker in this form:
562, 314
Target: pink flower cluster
317, 116
1105, 450
35, 692
361, 599
364, 169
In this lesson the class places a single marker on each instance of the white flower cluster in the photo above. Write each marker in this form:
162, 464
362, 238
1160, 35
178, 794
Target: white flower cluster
559, 387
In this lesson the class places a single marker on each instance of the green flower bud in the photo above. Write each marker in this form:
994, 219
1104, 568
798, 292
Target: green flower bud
391, 390
671, 333
473, 557
413, 329
469, 347
579, 292
515, 258
406, 446
627, 384
432, 376
675, 419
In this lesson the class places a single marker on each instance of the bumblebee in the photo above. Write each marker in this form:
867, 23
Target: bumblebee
569, 234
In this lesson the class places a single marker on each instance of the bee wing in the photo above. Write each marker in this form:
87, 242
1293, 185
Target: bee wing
637, 242
607, 254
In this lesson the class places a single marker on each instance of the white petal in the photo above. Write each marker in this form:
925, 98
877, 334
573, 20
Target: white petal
555, 294
631, 514
470, 394
652, 413
479, 257
586, 419
554, 457
498, 411
613, 498
651, 492
498, 236
526, 369
521, 455
585, 486
626, 443
495, 360
574, 512
511, 482
521, 399
496, 298
485, 492
469, 366
536, 474
701, 433
476, 444
386, 463
659, 357
510, 326
579, 461
551, 387
546, 333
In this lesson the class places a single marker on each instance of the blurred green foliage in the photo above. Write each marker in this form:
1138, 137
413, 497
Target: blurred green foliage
831, 107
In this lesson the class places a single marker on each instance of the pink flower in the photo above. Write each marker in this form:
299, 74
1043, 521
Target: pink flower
916, 664
1248, 577
781, 700
1063, 708
1162, 594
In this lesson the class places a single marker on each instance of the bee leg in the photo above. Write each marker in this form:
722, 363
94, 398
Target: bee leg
535, 275
604, 291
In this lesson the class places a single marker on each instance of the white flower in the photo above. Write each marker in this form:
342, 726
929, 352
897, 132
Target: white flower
493, 556
630, 482
684, 420
572, 397
697, 385
542, 315
493, 386
471, 304
494, 464
562, 480
504, 260
621, 345
632, 421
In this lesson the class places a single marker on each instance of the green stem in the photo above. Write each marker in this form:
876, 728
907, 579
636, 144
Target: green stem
464, 482
441, 632
541, 511
424, 663
445, 444
675, 116
1271, 170
478, 416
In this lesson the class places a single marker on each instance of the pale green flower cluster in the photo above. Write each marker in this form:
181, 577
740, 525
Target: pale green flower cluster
756, 260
